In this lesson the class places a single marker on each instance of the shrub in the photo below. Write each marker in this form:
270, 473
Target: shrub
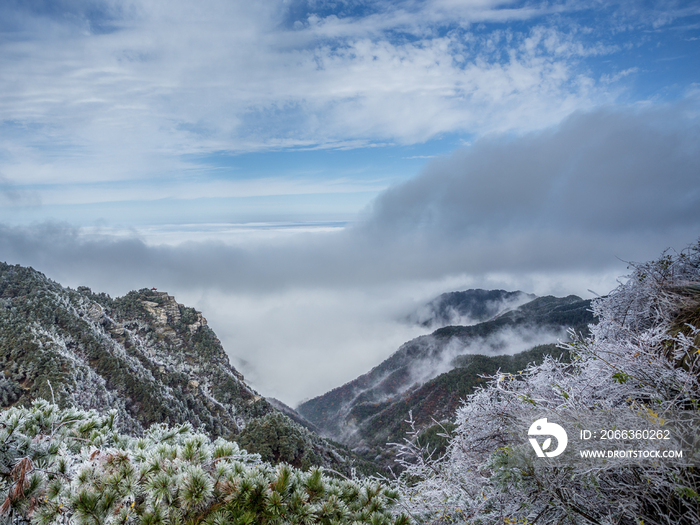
641, 363
58, 465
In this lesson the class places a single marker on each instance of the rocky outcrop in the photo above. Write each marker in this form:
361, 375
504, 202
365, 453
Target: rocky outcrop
166, 312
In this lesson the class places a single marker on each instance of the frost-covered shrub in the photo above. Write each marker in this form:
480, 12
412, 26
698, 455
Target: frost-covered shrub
641, 364
71, 465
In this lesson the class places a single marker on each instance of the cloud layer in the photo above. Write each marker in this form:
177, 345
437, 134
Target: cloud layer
547, 212
602, 184
607, 173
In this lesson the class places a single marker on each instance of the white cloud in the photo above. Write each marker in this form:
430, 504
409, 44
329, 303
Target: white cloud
554, 211
180, 78
567, 199
189, 188
299, 343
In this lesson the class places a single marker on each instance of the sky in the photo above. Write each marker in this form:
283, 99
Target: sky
307, 173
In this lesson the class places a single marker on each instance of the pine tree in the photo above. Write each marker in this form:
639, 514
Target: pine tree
58, 465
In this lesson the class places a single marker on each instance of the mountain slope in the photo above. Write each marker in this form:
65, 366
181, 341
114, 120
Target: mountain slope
430, 374
144, 355
152, 359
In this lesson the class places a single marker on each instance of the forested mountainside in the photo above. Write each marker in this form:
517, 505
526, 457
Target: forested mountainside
429, 375
144, 355
467, 307
150, 358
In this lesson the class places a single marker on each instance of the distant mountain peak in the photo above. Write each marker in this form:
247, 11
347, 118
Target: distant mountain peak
431, 374
467, 307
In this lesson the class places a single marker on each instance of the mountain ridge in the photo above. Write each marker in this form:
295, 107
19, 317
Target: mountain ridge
363, 412
467, 307
145, 355
151, 358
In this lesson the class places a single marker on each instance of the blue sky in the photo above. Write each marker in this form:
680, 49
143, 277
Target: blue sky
385, 151
125, 102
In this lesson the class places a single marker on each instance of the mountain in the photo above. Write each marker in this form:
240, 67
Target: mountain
147, 356
154, 360
467, 307
430, 375
144, 355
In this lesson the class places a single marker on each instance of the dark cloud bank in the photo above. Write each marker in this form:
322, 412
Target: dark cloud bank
573, 198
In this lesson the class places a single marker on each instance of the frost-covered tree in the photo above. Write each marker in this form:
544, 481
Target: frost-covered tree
639, 368
59, 466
